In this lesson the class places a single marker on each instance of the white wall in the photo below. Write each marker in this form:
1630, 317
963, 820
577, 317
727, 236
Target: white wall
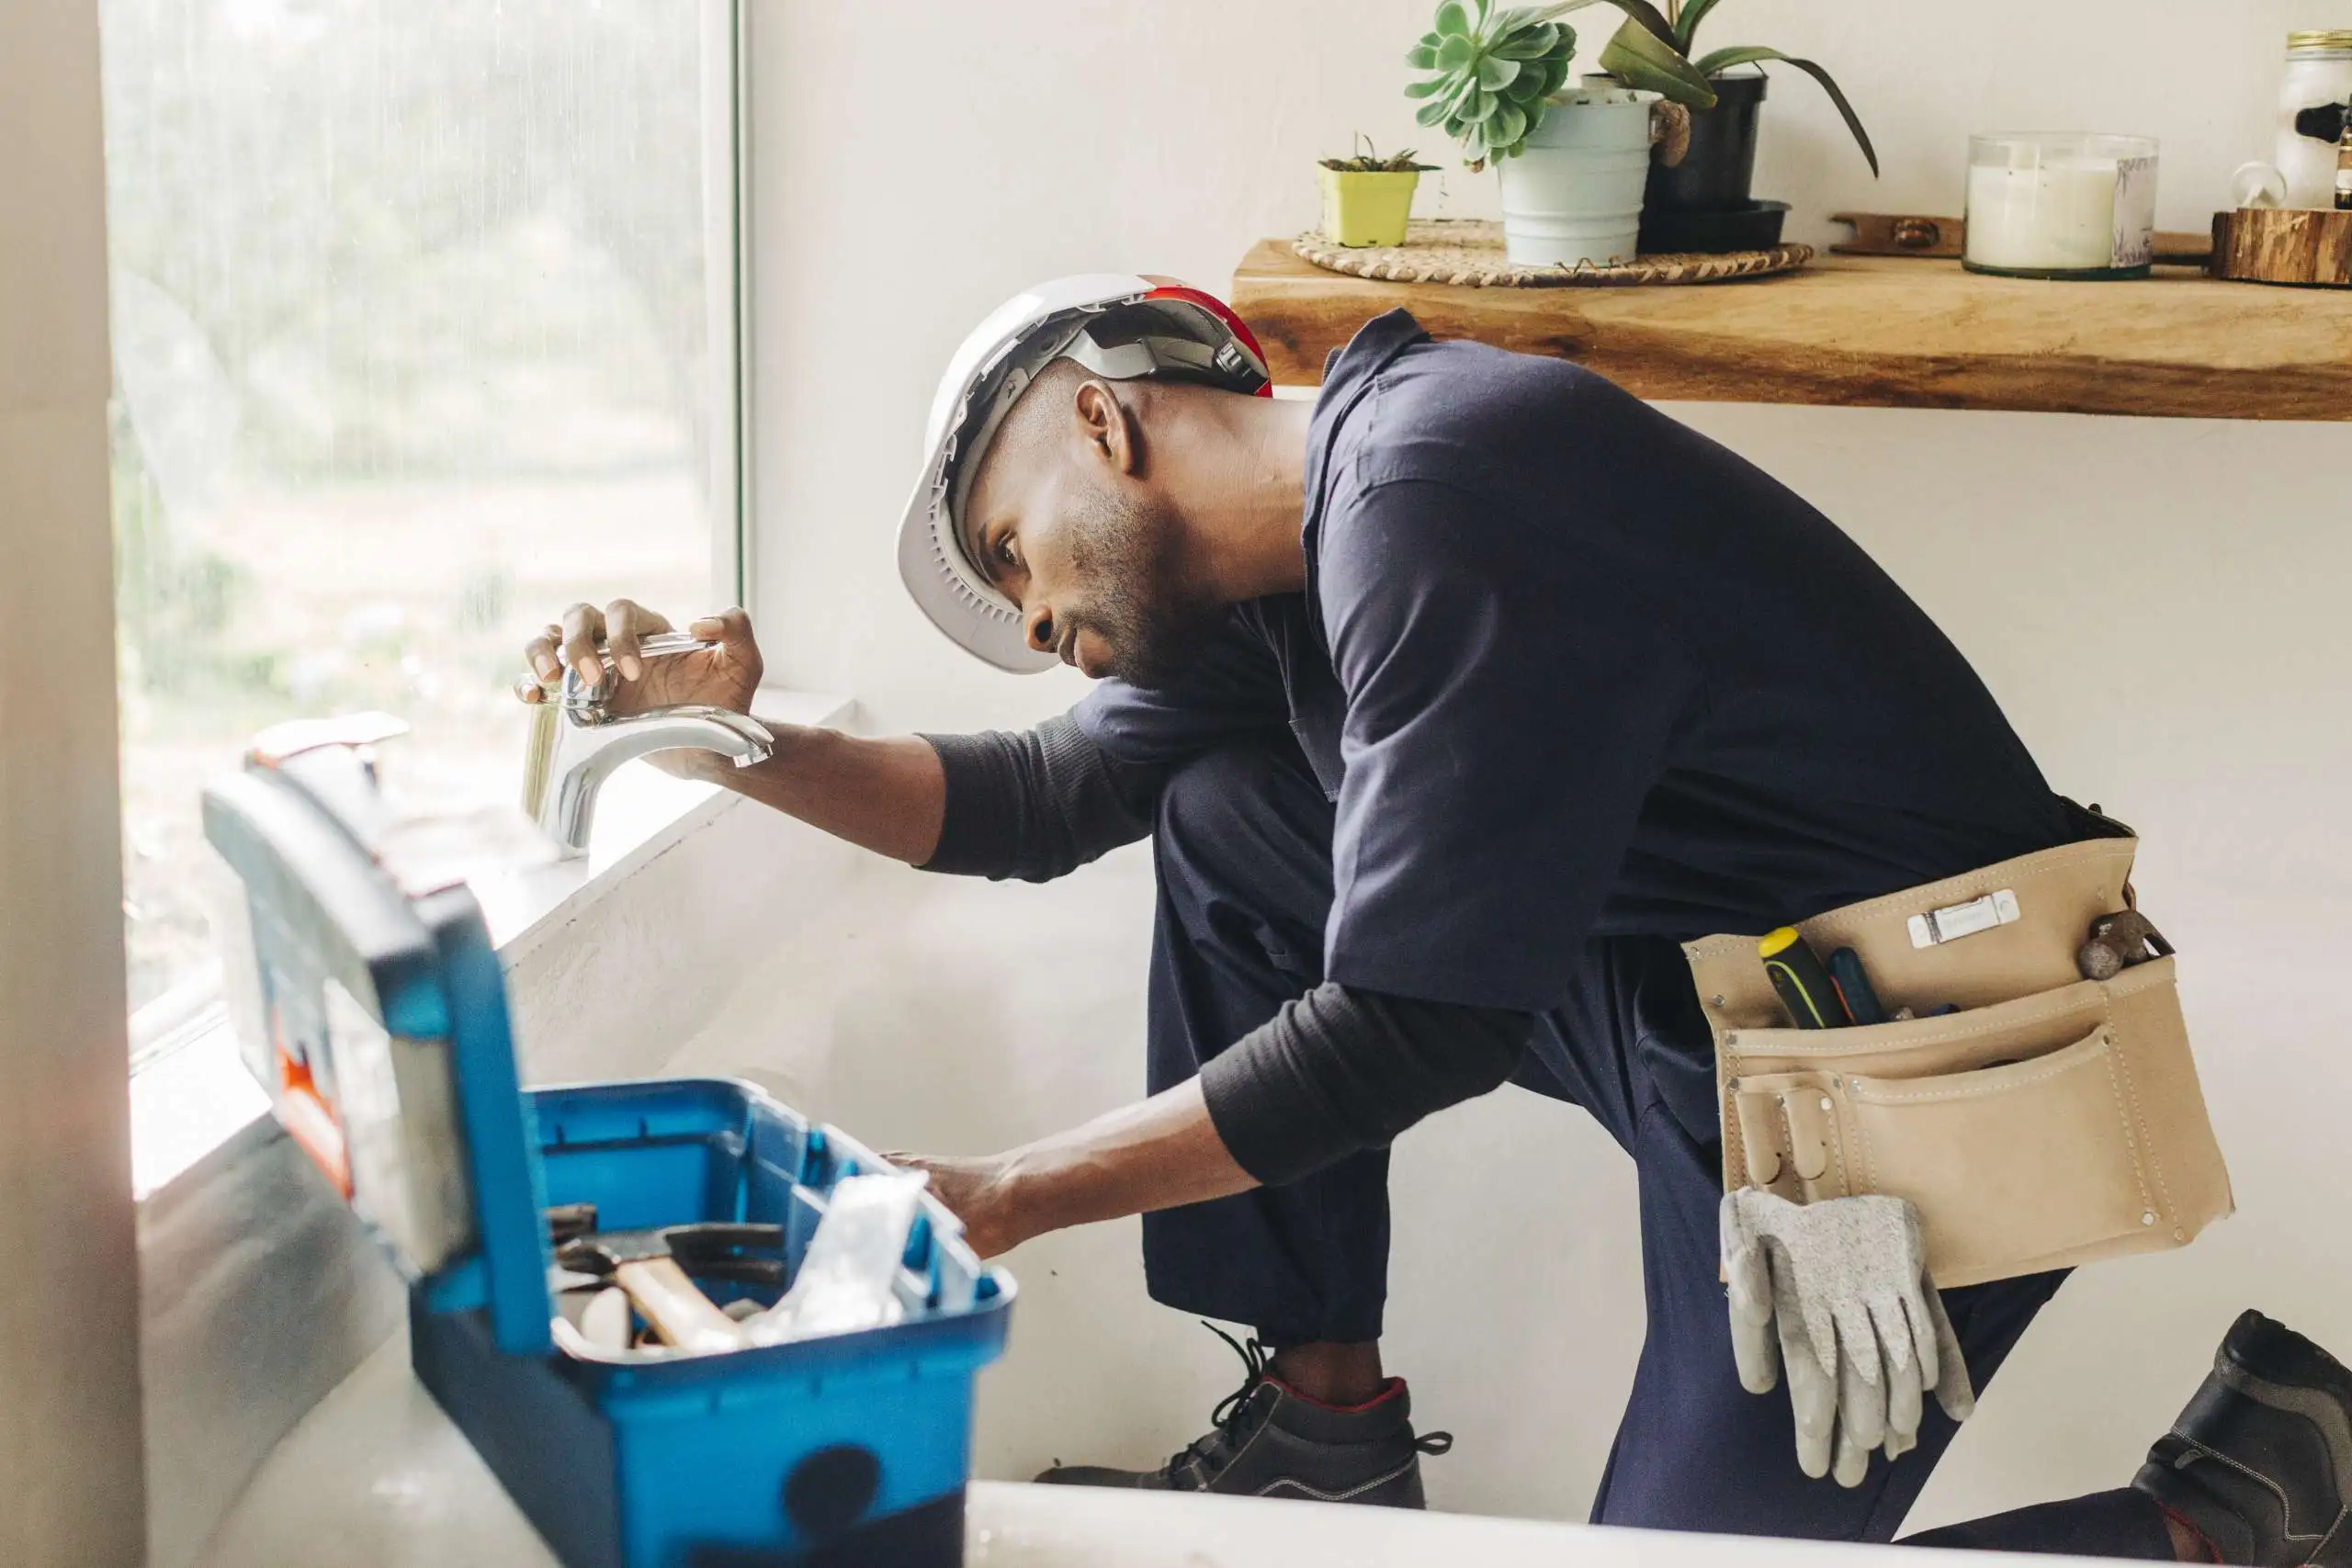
904, 185
2154, 602
70, 1489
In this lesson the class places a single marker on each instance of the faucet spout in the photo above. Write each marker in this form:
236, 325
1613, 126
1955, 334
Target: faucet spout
580, 746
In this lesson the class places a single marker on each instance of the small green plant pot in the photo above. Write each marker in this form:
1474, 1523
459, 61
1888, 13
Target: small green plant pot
1368, 208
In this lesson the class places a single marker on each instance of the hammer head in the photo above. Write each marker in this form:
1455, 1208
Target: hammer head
2118, 942
708, 1248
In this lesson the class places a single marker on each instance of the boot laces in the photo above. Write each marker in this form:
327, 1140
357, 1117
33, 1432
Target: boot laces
1206, 1456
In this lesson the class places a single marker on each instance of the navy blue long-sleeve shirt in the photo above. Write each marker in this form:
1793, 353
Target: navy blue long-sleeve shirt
1566, 668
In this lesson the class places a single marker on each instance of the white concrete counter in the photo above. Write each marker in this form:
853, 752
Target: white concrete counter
376, 1477
259, 1292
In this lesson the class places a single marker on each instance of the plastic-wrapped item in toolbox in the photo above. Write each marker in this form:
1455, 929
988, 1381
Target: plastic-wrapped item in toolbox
373, 1007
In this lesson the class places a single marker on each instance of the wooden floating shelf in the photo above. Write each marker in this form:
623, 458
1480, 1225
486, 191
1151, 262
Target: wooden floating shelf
1867, 332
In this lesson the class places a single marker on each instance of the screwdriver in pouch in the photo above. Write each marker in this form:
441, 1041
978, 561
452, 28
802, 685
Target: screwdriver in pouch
1806, 987
1854, 987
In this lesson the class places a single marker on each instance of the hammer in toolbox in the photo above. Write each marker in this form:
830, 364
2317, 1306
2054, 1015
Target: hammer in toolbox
657, 1266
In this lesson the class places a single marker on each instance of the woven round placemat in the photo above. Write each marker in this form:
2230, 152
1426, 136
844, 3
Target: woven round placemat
1468, 252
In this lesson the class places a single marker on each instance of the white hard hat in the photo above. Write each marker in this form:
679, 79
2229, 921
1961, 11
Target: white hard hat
1195, 336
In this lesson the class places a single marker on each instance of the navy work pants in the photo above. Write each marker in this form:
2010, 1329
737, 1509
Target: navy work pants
1243, 845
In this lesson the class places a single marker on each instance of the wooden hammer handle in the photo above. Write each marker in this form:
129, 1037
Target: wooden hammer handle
681, 1315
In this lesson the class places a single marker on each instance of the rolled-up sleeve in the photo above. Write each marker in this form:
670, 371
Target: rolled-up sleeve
1340, 1070
1034, 804
1037, 804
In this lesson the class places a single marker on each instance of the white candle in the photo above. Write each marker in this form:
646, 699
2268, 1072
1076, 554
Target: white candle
2061, 216
2058, 207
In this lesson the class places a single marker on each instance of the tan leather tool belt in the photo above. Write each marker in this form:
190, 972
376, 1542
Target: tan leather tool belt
2054, 1121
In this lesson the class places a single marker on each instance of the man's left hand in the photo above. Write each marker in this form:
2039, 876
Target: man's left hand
1163, 1154
979, 1191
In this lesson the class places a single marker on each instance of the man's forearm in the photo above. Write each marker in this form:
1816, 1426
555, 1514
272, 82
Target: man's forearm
1331, 1073
888, 796
1160, 1154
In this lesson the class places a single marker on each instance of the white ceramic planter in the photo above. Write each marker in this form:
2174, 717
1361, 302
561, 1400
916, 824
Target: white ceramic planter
1574, 195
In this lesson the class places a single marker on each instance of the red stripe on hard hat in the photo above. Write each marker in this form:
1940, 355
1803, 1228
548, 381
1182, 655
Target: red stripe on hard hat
1168, 289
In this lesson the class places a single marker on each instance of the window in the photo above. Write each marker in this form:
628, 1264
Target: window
424, 327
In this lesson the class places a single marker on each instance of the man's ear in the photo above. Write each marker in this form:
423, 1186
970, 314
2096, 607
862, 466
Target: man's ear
1108, 426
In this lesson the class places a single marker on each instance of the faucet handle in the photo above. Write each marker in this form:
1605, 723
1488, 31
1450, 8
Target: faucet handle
579, 694
662, 644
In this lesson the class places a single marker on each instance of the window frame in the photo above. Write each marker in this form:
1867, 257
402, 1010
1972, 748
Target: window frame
191, 1010
727, 159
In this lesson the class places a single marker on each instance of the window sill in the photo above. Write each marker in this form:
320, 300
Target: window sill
641, 815
189, 1091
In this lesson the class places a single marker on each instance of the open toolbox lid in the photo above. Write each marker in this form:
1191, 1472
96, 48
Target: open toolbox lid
369, 1001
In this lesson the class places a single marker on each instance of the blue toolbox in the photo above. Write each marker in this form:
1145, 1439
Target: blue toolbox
370, 1002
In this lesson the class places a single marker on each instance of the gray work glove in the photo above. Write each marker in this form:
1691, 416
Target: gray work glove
1860, 1326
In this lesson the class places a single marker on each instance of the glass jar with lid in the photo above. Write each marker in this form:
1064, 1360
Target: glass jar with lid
2311, 114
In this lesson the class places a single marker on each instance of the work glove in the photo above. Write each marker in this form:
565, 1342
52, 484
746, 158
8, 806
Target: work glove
1837, 1292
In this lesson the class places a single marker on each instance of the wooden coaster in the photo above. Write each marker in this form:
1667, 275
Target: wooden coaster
1467, 253
2284, 244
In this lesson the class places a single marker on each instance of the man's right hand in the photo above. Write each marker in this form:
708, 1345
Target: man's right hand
888, 794
725, 675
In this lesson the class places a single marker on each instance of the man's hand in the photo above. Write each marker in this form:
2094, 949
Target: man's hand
1161, 1154
980, 1193
724, 676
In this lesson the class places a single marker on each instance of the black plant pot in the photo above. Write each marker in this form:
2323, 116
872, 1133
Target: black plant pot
1716, 176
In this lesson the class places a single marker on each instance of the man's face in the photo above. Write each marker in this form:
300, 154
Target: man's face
1092, 553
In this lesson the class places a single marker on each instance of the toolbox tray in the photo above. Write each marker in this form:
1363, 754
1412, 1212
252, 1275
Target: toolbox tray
369, 1001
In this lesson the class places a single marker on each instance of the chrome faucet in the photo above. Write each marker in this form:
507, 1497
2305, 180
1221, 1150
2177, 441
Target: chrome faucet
576, 743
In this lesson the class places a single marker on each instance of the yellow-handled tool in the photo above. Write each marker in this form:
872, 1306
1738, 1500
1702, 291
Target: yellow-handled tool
1803, 984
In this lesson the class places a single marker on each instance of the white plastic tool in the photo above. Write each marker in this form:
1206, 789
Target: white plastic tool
597, 1313
849, 1279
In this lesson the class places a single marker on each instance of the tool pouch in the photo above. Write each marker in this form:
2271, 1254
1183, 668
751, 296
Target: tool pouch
2051, 1121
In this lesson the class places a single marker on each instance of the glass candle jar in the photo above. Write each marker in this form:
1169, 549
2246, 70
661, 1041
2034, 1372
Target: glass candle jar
2061, 204
2310, 120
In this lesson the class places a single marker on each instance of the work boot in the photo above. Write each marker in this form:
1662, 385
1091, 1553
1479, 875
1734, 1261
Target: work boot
2260, 1463
1268, 1440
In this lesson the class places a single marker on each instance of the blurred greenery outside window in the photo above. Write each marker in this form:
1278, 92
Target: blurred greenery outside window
424, 317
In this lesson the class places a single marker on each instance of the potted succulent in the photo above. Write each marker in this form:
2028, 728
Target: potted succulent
1704, 203
1573, 161
1367, 199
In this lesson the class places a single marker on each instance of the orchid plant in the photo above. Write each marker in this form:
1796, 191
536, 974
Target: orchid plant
1652, 48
